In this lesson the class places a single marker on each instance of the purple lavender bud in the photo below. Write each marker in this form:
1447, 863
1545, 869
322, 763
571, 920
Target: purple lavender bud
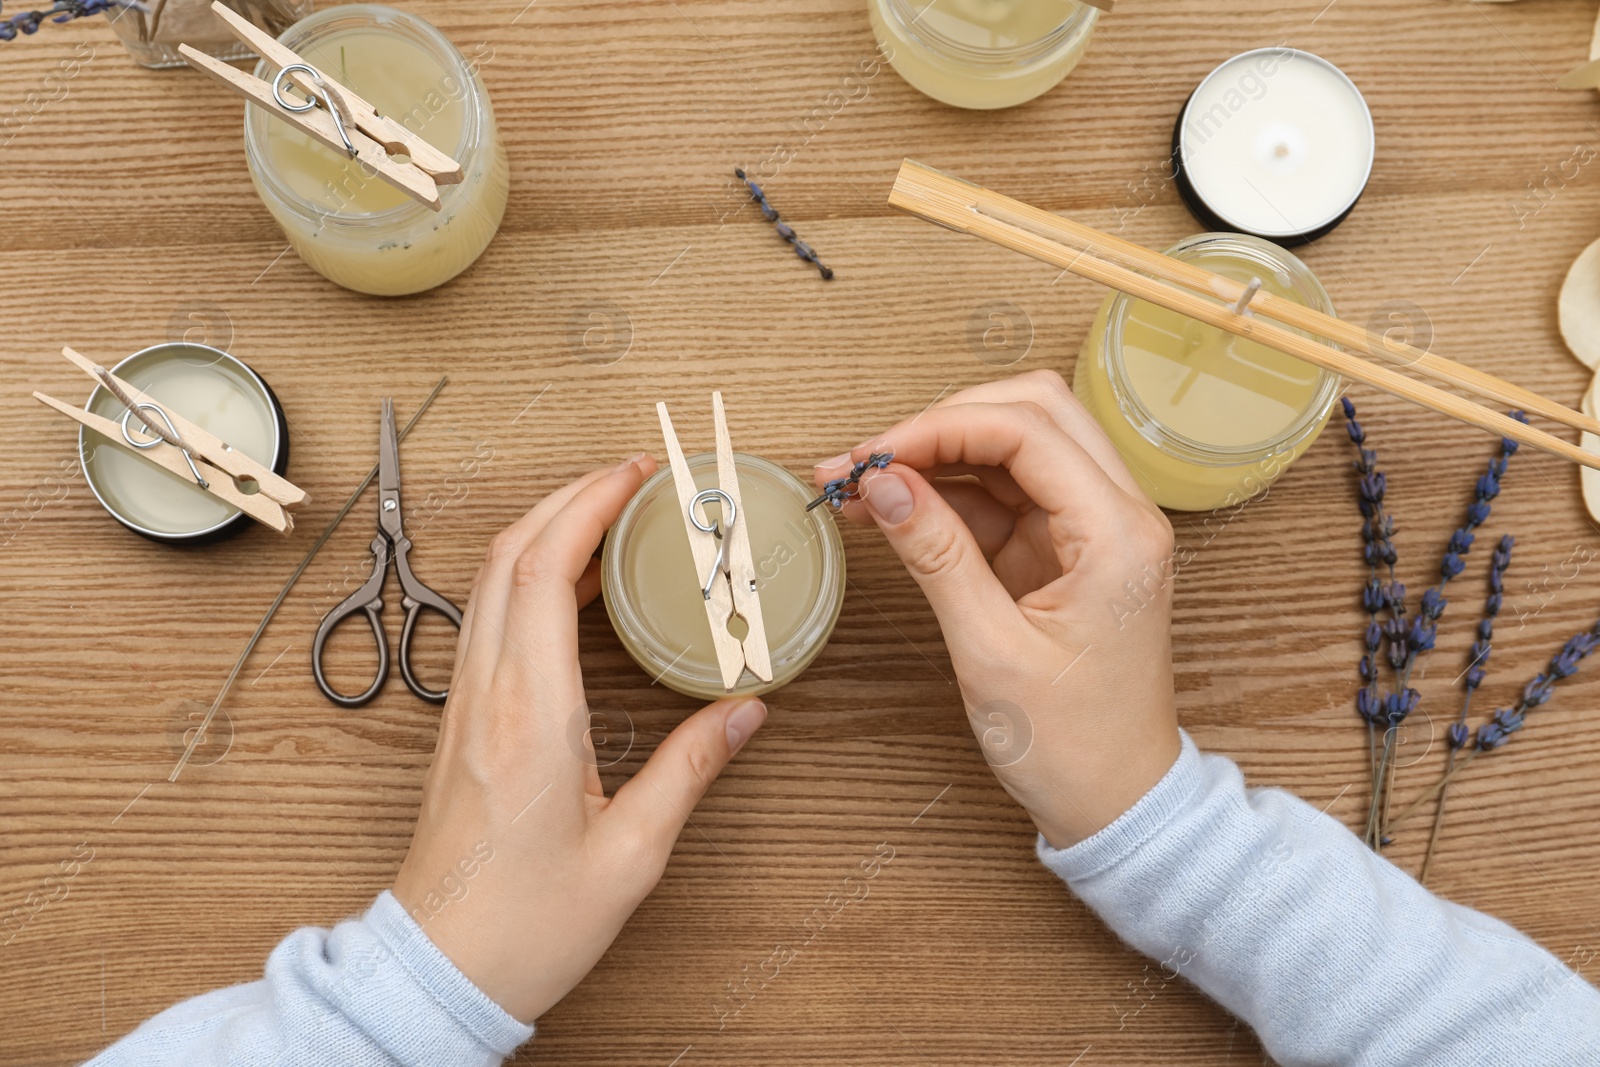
1422, 634
1478, 513
1509, 720
1451, 566
1368, 461
1460, 542
1458, 735
1433, 604
1349, 408
1366, 705
1474, 678
1397, 597
1490, 736
1491, 606
1536, 692
1357, 434
1374, 598
1368, 672
1390, 557
1373, 485
1496, 582
1485, 633
1488, 486
1374, 637
1397, 706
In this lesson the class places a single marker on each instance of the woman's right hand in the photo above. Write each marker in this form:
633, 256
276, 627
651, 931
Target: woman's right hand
1062, 645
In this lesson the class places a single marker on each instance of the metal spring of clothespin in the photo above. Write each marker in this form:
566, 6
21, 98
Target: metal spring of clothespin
730, 512
330, 99
171, 437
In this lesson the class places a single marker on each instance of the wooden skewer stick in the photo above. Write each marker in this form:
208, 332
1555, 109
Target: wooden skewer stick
217, 452
966, 207
741, 562
719, 606
256, 505
951, 202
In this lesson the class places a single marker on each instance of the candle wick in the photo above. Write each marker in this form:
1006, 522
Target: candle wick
1281, 151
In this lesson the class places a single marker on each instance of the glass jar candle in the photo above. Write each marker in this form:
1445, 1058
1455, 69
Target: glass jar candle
983, 53
1204, 418
211, 389
652, 592
349, 225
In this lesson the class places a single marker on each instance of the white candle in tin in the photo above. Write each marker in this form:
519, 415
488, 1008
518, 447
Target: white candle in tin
1277, 143
212, 390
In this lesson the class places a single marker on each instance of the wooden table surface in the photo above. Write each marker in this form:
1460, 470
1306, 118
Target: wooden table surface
130, 220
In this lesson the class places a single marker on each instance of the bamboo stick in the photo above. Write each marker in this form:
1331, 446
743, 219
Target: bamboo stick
967, 208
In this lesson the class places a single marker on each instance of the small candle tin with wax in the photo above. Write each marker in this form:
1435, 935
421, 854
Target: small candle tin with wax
211, 389
1276, 143
983, 53
655, 601
346, 222
1204, 418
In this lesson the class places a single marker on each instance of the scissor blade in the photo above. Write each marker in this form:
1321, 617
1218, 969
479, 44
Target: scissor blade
388, 451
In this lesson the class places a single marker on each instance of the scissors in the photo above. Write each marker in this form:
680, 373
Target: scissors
369, 598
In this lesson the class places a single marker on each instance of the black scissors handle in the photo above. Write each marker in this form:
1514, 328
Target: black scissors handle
417, 596
369, 598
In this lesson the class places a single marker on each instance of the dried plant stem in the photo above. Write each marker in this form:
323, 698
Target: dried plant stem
1438, 823
1436, 788
1444, 794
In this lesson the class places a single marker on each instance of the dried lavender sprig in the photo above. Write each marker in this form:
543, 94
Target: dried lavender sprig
1424, 627
1408, 642
839, 490
1377, 532
1378, 597
1507, 721
770, 213
1477, 663
64, 11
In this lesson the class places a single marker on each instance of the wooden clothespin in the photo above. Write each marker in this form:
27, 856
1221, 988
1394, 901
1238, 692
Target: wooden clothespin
724, 566
344, 122
163, 437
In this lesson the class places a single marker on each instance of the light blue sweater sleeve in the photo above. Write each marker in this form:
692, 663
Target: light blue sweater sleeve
372, 992
1331, 953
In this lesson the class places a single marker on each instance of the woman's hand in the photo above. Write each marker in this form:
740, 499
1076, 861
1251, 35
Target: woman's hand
521, 870
1062, 646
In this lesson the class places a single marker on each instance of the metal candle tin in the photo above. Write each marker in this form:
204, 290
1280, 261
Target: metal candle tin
210, 388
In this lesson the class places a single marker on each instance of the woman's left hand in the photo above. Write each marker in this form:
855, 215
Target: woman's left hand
522, 871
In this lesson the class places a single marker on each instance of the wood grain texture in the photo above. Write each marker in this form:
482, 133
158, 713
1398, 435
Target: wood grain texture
623, 123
